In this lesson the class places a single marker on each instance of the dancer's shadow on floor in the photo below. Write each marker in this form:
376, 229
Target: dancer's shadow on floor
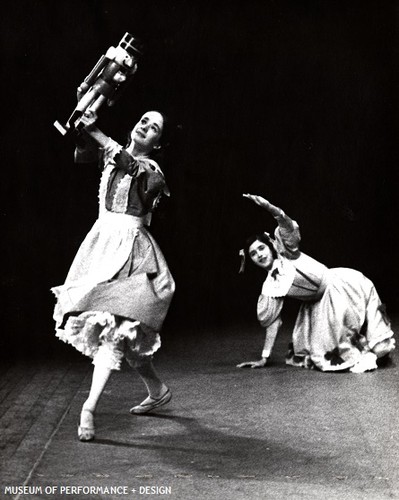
225, 453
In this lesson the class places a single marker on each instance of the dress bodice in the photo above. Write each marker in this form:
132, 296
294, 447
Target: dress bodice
308, 283
129, 185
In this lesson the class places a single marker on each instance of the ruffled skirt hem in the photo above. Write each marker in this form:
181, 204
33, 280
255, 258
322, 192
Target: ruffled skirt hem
93, 332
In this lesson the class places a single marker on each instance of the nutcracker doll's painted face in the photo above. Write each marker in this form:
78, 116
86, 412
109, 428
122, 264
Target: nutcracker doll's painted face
147, 133
261, 254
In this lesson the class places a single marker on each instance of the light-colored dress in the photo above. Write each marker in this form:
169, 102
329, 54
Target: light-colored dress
119, 288
341, 318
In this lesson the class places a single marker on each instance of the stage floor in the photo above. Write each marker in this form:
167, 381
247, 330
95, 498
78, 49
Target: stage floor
276, 433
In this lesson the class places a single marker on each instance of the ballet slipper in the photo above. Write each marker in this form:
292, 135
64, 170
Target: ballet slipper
86, 432
151, 403
367, 362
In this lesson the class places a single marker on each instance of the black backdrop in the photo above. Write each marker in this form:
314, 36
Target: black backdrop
294, 100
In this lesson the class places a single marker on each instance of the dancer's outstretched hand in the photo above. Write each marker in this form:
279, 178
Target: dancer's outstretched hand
81, 90
88, 118
253, 364
262, 202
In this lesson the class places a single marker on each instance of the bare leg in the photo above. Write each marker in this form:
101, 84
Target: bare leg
158, 393
154, 384
99, 380
100, 377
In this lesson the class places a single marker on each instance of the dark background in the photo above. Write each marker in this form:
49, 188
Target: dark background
294, 100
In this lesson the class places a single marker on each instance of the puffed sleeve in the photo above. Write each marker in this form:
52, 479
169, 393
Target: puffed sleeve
287, 236
269, 309
151, 185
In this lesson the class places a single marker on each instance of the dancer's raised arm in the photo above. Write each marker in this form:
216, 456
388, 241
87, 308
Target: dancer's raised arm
262, 202
287, 233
